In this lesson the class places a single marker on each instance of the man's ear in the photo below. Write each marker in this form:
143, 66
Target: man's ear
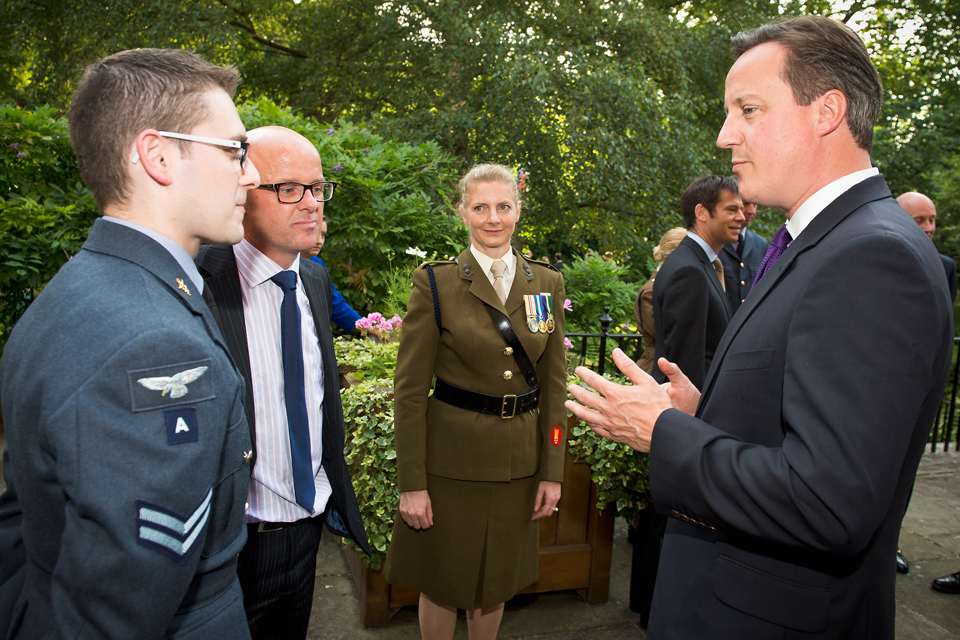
150, 154
832, 111
702, 213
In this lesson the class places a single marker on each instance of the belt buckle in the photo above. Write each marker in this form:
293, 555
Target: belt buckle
503, 407
271, 527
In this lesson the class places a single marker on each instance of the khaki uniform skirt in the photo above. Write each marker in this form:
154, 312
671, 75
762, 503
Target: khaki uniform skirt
481, 550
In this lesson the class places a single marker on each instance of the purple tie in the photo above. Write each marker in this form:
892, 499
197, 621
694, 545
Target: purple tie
778, 245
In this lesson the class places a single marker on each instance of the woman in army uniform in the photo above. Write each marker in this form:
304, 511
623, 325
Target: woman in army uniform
481, 459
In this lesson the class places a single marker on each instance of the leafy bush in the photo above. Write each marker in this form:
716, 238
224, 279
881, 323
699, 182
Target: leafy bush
592, 284
392, 196
45, 210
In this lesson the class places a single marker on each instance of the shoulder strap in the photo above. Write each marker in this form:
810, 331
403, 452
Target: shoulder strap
436, 296
502, 323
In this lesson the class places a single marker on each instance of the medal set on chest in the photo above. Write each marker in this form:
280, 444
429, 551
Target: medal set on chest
539, 313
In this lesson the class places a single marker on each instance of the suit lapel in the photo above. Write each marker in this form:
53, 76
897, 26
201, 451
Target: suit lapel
218, 266
869, 190
711, 271
479, 284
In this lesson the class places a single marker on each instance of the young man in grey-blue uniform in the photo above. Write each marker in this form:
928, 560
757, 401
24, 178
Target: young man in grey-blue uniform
128, 448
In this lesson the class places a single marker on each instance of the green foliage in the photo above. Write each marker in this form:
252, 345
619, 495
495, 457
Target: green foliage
392, 196
593, 283
371, 455
45, 211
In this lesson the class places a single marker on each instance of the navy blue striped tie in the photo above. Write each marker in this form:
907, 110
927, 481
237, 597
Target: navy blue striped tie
293, 391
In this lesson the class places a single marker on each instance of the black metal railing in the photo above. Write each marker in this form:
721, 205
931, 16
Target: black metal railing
596, 357
942, 430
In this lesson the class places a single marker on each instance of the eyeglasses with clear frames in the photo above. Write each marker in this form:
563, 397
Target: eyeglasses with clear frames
293, 192
217, 142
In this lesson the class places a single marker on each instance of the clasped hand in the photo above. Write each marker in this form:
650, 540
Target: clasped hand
627, 414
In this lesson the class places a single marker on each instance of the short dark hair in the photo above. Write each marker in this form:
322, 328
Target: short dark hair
823, 54
127, 92
706, 190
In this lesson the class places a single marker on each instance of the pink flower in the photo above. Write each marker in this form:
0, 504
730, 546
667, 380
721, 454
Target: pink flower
567, 305
566, 341
375, 317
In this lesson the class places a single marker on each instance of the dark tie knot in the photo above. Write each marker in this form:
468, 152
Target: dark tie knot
286, 280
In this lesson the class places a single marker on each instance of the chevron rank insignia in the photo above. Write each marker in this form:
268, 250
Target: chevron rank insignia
170, 533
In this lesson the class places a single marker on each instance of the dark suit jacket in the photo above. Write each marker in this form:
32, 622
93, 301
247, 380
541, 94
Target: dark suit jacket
740, 271
690, 311
222, 292
807, 438
132, 520
950, 268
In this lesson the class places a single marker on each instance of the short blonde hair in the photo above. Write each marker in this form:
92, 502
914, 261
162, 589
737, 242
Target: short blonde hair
481, 173
670, 240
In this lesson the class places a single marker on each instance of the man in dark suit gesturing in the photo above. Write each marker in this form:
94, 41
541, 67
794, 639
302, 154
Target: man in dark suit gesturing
690, 309
741, 259
274, 310
787, 487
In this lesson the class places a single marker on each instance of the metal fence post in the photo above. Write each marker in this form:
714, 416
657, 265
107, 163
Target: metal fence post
605, 321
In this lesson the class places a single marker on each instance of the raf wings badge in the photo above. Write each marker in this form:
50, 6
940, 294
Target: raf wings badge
183, 287
175, 385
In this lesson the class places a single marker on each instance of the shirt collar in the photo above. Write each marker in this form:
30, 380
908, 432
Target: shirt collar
179, 253
486, 261
816, 203
256, 268
711, 254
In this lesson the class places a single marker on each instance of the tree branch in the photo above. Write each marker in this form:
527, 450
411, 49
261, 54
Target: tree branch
246, 24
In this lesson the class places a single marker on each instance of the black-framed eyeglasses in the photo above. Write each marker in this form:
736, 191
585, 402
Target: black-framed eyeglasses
217, 142
292, 192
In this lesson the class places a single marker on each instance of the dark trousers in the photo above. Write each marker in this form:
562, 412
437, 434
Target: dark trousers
277, 571
646, 539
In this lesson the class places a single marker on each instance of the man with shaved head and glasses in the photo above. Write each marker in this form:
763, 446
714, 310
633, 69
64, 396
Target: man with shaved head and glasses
128, 450
274, 309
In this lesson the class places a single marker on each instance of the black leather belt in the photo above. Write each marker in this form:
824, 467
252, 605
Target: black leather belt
504, 406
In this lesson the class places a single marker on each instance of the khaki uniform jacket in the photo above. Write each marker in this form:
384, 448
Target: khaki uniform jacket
440, 439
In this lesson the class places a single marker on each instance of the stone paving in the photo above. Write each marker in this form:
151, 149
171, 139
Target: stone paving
930, 539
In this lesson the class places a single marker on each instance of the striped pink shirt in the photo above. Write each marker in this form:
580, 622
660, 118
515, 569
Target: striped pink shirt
271, 496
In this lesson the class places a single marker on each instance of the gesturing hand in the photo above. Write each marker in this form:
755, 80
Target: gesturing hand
627, 414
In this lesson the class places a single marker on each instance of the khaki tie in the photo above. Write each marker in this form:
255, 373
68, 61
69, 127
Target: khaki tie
719, 267
497, 269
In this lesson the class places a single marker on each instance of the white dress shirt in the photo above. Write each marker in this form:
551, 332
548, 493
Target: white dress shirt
509, 273
816, 203
271, 496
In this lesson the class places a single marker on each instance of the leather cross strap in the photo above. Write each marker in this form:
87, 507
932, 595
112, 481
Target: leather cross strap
502, 323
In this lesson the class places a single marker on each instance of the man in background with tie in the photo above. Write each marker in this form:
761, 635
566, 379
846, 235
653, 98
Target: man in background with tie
274, 310
690, 307
741, 259
787, 478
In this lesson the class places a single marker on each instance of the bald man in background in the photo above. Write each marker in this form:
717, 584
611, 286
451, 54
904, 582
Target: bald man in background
924, 212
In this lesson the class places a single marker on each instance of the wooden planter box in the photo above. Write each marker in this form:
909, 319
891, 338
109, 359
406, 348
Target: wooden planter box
575, 548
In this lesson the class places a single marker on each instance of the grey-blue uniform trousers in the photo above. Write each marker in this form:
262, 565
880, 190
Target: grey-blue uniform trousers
128, 501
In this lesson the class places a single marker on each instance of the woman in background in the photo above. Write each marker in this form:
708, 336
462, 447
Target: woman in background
643, 308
